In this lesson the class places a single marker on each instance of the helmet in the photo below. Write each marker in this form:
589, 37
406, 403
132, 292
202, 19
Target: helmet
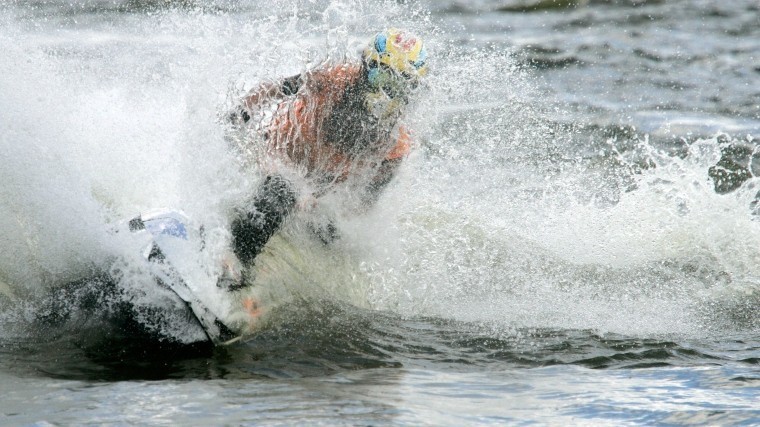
400, 52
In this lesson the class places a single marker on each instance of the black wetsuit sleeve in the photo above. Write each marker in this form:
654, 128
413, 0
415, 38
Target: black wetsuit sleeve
252, 228
291, 85
288, 86
384, 176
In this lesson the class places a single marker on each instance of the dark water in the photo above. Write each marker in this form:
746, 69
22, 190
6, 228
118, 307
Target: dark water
557, 252
343, 366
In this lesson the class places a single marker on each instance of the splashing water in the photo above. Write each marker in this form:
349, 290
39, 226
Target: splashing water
537, 257
499, 216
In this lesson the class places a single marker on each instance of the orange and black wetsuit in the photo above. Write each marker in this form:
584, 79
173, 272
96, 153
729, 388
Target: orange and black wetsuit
323, 126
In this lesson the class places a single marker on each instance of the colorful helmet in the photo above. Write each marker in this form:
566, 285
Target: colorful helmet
401, 51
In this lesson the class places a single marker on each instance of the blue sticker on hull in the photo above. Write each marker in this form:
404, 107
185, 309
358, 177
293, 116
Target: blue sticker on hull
167, 226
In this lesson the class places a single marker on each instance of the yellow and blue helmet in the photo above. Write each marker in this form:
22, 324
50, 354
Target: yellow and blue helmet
395, 52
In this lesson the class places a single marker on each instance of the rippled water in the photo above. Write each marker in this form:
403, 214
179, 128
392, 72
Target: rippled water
559, 249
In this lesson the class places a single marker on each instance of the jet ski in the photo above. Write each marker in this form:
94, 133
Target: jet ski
172, 248
175, 285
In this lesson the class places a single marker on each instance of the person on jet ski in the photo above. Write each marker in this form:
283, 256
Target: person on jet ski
337, 124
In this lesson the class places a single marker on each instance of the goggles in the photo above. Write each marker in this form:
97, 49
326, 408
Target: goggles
395, 84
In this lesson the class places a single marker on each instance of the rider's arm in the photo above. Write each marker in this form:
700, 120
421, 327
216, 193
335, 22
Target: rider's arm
265, 92
388, 168
382, 178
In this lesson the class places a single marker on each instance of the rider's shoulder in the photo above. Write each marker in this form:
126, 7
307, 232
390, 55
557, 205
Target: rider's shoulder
335, 73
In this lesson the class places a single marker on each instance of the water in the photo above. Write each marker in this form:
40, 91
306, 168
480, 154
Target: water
554, 251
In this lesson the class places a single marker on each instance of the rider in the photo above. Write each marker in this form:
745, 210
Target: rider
337, 124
